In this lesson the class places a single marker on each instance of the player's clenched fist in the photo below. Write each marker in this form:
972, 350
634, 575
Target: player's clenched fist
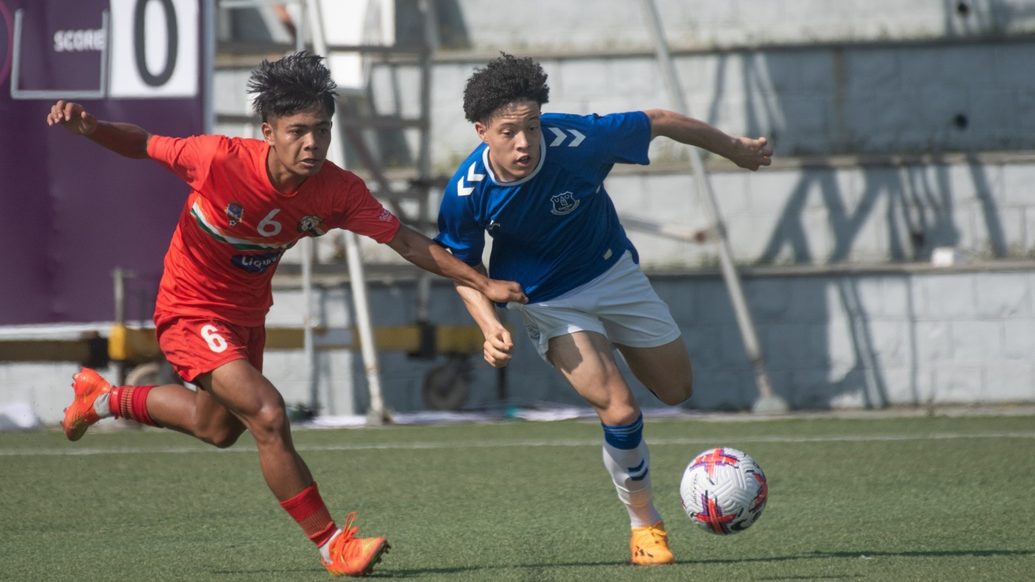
498, 348
72, 116
751, 153
505, 292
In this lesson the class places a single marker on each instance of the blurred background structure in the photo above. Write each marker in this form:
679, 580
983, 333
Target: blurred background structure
886, 257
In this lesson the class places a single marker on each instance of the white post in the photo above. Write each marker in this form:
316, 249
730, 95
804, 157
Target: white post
767, 401
376, 414
307, 323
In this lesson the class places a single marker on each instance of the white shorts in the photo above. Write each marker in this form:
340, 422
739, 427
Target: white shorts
619, 304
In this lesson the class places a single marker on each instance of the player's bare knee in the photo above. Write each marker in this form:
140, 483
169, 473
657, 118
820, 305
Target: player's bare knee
618, 412
677, 393
270, 422
687, 390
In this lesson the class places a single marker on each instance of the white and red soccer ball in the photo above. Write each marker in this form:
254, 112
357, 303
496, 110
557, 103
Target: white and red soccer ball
723, 491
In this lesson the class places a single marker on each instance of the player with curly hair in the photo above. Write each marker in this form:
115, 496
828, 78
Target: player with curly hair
536, 185
250, 201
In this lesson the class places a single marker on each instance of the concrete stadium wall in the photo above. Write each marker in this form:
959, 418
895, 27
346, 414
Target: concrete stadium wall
540, 25
967, 187
898, 127
831, 338
809, 100
831, 213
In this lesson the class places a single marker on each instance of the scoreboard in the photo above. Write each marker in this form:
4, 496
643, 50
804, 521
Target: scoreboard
71, 211
118, 49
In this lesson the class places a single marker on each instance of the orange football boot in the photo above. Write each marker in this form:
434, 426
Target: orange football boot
649, 546
79, 415
352, 556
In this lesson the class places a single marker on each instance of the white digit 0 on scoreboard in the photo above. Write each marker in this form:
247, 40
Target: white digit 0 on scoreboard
154, 48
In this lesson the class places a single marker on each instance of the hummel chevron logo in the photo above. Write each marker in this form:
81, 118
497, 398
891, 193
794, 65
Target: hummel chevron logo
561, 136
461, 188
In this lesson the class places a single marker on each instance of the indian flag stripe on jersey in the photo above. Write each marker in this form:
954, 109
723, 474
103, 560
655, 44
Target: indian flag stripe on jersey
239, 243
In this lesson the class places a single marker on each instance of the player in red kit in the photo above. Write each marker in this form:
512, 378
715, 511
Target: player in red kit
250, 201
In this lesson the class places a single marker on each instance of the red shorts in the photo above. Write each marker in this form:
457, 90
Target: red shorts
195, 346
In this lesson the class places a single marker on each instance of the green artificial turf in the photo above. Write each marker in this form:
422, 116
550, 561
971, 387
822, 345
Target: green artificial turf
925, 498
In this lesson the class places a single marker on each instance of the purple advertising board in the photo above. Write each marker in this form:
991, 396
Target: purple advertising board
71, 212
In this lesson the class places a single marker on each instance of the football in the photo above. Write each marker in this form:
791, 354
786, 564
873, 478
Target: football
723, 491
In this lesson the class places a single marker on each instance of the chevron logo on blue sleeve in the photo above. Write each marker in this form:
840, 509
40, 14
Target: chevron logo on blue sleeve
462, 189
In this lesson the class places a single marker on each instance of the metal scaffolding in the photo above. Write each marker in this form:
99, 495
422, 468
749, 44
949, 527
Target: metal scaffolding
767, 401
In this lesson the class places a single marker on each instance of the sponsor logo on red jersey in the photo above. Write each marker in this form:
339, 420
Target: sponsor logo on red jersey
256, 263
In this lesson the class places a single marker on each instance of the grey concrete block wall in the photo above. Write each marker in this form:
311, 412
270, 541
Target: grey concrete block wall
866, 86
811, 101
927, 129
827, 210
845, 91
930, 106
838, 214
547, 25
831, 339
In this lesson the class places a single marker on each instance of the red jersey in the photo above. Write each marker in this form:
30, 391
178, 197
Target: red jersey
235, 225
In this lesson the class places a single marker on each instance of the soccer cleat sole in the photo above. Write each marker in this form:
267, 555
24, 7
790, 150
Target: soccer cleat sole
76, 431
375, 559
650, 564
76, 427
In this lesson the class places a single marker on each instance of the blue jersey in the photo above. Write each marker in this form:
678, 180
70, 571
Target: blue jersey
556, 228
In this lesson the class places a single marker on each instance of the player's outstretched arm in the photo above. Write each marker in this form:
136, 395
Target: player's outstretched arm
122, 138
426, 254
498, 345
746, 152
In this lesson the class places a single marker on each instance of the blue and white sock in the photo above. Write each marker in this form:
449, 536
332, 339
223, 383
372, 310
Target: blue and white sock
628, 461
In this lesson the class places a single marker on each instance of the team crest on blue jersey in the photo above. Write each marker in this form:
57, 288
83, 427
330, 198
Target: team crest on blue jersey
234, 213
563, 203
311, 224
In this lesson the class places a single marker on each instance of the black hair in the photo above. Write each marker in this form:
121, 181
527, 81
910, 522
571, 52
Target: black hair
297, 82
504, 80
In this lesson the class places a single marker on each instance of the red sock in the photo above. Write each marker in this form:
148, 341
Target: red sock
307, 508
131, 402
